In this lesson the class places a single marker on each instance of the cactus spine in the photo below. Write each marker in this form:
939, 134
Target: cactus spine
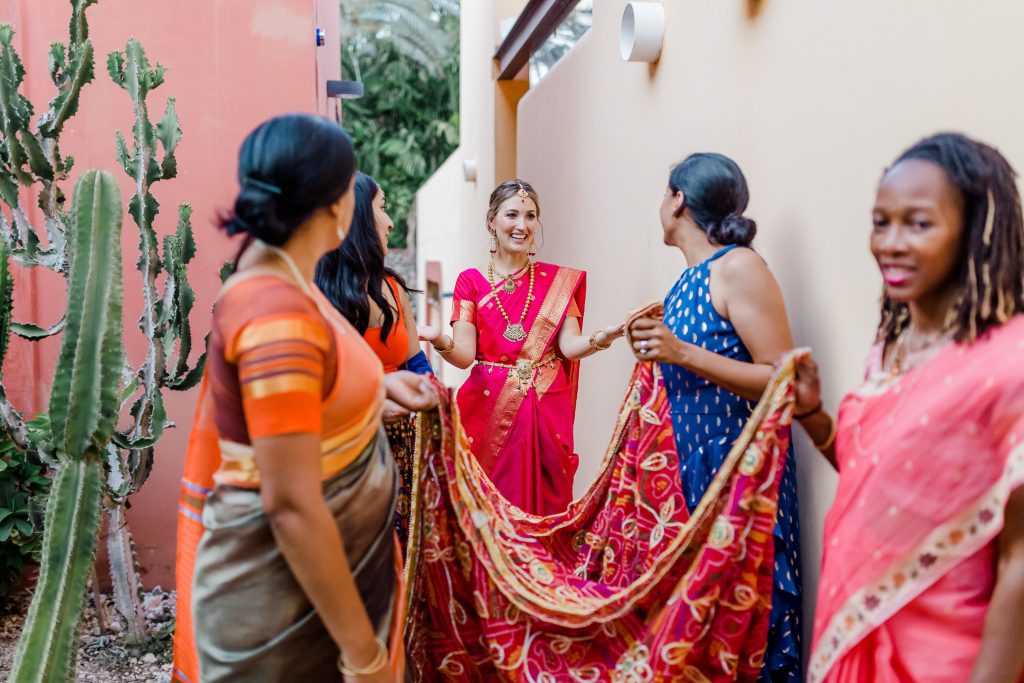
83, 413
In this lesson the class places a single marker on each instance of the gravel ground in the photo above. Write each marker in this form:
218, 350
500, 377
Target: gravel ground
105, 657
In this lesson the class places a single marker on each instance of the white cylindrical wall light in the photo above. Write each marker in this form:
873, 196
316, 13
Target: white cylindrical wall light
469, 170
641, 32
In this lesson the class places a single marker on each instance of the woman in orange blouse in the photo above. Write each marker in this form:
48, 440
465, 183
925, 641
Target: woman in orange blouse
374, 299
294, 576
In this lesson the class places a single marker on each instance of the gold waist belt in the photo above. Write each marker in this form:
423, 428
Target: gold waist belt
524, 370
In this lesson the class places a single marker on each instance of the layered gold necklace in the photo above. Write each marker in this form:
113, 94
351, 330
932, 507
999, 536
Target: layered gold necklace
514, 331
509, 285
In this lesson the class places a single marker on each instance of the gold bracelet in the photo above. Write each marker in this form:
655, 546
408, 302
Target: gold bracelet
446, 350
594, 345
831, 436
378, 663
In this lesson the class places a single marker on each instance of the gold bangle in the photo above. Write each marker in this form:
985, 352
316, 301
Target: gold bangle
593, 342
378, 663
448, 349
831, 436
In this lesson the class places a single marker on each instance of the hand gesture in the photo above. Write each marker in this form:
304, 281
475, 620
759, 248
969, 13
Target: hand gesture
410, 391
808, 386
428, 333
393, 412
654, 342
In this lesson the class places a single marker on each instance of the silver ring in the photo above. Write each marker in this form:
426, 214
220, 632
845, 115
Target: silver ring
643, 346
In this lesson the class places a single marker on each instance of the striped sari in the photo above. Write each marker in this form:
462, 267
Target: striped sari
281, 362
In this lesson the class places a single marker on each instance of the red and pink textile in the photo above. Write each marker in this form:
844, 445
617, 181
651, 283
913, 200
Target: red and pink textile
625, 585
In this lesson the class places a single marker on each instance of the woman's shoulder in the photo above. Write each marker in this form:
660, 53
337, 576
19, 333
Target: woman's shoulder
741, 258
247, 298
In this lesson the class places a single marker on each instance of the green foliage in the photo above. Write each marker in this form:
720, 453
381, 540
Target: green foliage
23, 487
405, 125
83, 411
420, 30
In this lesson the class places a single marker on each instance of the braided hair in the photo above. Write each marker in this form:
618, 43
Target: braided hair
991, 269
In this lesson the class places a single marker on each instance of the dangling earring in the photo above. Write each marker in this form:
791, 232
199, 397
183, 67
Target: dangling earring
533, 251
494, 243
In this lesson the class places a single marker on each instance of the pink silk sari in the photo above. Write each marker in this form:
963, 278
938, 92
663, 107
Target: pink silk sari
625, 584
523, 436
927, 464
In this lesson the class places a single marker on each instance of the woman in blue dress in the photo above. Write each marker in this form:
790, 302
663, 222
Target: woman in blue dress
724, 325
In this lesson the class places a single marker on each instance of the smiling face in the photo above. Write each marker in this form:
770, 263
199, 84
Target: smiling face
515, 225
917, 239
381, 219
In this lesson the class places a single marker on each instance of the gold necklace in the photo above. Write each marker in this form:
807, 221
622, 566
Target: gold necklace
510, 283
514, 332
902, 350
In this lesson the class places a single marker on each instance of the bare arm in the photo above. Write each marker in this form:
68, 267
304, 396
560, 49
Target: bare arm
464, 336
574, 346
410, 323
818, 424
752, 301
311, 542
1001, 658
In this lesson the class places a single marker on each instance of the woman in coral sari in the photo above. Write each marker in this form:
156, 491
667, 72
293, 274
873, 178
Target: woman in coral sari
520, 322
923, 568
286, 561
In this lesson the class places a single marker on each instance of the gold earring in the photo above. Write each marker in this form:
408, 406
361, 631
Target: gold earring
494, 243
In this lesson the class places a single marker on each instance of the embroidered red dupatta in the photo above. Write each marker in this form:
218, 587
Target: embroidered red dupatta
623, 585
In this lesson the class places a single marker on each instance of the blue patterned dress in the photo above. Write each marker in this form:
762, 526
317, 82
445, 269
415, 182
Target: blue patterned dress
707, 419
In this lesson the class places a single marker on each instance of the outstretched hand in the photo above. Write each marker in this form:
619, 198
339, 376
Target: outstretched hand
410, 391
428, 333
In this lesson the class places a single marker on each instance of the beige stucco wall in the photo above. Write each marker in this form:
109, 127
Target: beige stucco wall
812, 99
450, 211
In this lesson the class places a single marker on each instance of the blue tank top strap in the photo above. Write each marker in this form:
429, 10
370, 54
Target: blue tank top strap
720, 253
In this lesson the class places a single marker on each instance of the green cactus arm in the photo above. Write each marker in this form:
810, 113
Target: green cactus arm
33, 332
79, 27
6, 301
15, 108
49, 640
75, 74
168, 132
86, 386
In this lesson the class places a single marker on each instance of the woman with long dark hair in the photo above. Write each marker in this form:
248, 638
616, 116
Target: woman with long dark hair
375, 299
923, 565
724, 325
289, 488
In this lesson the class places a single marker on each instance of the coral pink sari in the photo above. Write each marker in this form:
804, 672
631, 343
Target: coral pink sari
926, 465
520, 426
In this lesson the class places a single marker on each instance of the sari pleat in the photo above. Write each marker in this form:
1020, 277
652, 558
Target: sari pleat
281, 637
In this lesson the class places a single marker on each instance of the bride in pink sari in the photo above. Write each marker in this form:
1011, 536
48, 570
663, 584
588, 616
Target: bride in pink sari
518, 322
923, 566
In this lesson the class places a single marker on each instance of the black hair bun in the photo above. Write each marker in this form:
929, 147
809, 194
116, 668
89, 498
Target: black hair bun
734, 229
256, 213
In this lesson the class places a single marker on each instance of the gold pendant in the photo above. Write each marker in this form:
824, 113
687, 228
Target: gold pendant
509, 286
515, 332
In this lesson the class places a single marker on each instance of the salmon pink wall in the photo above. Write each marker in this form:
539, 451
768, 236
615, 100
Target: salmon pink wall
230, 65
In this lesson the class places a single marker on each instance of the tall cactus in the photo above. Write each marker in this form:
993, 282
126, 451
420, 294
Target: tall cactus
83, 412
165, 313
30, 157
